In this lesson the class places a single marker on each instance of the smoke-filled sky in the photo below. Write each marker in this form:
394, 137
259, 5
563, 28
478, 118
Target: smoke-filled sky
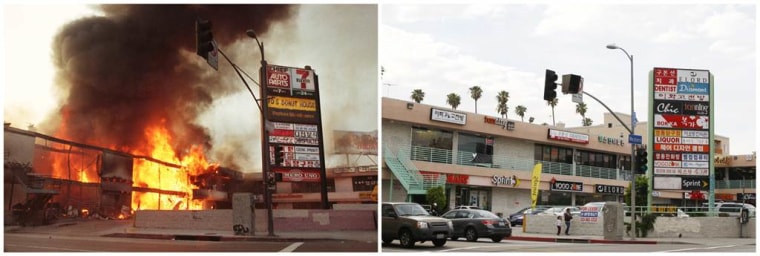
109, 72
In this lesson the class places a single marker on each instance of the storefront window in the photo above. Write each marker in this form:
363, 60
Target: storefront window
554, 154
423, 137
598, 159
313, 187
481, 145
431, 145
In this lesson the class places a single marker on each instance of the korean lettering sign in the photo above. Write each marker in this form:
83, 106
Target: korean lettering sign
681, 122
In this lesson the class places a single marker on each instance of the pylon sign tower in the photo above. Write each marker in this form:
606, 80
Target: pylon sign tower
681, 130
294, 125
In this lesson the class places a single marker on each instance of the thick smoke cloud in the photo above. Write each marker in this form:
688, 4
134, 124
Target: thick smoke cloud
136, 67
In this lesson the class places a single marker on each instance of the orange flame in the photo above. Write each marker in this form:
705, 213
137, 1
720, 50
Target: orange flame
166, 187
174, 183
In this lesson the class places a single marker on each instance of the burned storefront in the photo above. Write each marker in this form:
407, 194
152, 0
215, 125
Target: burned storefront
48, 178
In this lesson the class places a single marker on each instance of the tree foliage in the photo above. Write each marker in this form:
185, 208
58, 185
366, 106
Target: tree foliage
476, 93
453, 100
437, 195
418, 95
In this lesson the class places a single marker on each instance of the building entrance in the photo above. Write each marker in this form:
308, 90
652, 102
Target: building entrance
470, 196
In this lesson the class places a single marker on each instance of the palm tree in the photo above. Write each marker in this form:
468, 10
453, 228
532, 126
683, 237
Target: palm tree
587, 121
453, 99
553, 103
475, 93
520, 111
580, 108
418, 95
502, 97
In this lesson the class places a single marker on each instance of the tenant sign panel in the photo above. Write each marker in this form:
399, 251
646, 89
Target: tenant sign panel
681, 128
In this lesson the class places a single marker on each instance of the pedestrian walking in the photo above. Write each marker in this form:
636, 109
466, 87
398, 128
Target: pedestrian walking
559, 224
568, 217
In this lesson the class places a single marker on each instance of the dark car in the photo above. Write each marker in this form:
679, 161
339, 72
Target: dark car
410, 223
473, 223
517, 217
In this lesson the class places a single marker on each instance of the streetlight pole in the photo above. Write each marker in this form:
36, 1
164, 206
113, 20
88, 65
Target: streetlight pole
265, 172
633, 148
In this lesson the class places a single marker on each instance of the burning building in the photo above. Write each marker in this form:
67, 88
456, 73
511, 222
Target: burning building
47, 174
126, 130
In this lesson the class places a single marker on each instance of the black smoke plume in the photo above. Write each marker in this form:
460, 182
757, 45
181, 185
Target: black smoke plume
135, 67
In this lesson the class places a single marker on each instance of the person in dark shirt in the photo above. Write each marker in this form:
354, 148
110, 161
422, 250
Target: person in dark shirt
568, 217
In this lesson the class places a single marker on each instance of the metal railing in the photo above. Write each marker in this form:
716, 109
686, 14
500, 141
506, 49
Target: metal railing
427, 180
735, 184
427, 154
410, 177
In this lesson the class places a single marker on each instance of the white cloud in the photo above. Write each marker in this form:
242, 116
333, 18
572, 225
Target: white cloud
434, 13
511, 54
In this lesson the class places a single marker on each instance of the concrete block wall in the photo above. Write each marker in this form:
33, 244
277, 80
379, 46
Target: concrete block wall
702, 227
327, 220
365, 207
284, 220
509, 201
664, 227
545, 224
193, 220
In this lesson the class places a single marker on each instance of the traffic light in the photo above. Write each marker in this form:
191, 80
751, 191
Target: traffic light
550, 85
572, 84
641, 161
278, 155
203, 38
278, 177
271, 180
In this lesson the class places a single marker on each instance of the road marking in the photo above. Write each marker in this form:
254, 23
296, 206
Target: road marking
527, 245
49, 248
468, 248
292, 247
699, 248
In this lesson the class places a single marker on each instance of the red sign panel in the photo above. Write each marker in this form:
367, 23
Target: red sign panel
278, 77
667, 156
457, 179
682, 122
298, 175
682, 148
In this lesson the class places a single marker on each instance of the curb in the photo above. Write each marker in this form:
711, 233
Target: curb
579, 240
215, 238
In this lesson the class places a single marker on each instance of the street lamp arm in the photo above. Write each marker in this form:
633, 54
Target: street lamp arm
251, 33
613, 113
241, 78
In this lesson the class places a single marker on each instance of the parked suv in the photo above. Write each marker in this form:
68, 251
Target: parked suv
410, 223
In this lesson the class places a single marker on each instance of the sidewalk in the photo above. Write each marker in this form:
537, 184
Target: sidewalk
517, 234
124, 228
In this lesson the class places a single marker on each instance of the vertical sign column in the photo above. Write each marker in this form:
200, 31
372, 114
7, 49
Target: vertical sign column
681, 129
296, 128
